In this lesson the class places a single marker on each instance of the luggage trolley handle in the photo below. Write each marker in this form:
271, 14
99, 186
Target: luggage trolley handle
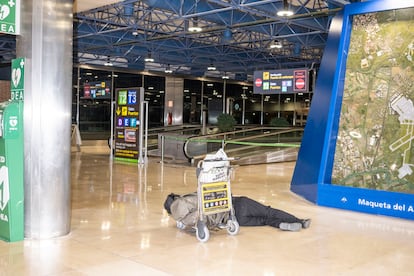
201, 170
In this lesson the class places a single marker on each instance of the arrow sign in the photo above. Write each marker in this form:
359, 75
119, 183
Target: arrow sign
344, 200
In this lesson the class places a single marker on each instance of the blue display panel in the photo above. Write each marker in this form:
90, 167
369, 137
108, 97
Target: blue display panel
357, 150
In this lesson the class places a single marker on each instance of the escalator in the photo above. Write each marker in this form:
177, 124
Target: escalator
249, 145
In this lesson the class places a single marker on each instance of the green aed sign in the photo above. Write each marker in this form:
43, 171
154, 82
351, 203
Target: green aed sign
10, 16
17, 79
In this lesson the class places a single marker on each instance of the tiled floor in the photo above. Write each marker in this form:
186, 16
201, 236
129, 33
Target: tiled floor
119, 227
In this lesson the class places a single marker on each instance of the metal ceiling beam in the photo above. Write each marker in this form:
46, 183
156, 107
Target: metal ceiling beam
161, 26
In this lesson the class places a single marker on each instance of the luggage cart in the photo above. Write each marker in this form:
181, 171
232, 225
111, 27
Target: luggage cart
214, 196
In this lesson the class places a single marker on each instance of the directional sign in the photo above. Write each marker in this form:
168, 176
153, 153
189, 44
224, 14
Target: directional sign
127, 123
10, 16
281, 81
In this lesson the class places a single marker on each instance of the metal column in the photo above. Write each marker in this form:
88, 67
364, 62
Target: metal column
46, 42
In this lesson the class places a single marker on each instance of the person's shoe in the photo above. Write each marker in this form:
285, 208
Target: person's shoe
306, 223
295, 226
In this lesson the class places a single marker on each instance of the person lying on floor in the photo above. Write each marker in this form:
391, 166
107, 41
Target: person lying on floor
248, 212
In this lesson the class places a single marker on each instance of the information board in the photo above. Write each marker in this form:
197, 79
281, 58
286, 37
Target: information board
97, 90
281, 81
127, 123
376, 127
357, 149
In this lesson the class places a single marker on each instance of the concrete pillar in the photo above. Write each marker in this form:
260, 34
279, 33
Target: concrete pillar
46, 42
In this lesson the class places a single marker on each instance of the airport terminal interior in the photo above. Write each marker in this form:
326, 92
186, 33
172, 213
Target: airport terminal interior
119, 227
131, 52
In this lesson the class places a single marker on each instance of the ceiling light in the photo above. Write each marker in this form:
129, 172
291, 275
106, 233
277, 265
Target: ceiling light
134, 32
168, 69
211, 67
195, 28
108, 62
149, 58
286, 11
276, 44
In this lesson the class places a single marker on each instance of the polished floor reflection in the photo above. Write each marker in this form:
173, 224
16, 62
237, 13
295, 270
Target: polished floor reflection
119, 227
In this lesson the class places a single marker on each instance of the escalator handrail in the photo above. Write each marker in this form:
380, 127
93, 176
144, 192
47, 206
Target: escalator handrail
225, 134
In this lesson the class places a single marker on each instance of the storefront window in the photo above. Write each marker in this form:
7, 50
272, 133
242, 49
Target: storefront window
93, 90
192, 110
91, 103
155, 96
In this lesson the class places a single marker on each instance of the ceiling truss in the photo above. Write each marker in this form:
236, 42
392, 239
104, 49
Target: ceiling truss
236, 35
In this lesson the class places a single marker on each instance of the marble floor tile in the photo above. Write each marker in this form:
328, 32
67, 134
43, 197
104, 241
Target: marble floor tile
119, 227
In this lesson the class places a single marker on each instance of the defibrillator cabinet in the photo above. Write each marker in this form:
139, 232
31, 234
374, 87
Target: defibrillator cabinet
11, 171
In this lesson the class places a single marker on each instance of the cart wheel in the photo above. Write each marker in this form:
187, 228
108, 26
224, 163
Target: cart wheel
233, 227
180, 225
202, 232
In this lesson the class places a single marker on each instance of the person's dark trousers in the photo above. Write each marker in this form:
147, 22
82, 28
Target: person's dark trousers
252, 213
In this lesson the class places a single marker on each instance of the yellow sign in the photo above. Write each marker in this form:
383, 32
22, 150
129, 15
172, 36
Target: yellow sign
216, 197
124, 111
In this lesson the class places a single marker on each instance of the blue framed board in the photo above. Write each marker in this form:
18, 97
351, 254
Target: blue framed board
357, 153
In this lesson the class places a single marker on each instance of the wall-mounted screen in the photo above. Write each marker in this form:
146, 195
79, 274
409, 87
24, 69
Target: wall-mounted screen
281, 81
97, 90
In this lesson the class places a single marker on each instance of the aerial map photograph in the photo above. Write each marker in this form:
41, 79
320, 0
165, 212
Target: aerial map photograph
376, 128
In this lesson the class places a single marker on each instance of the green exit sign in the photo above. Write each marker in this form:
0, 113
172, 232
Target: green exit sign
10, 16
